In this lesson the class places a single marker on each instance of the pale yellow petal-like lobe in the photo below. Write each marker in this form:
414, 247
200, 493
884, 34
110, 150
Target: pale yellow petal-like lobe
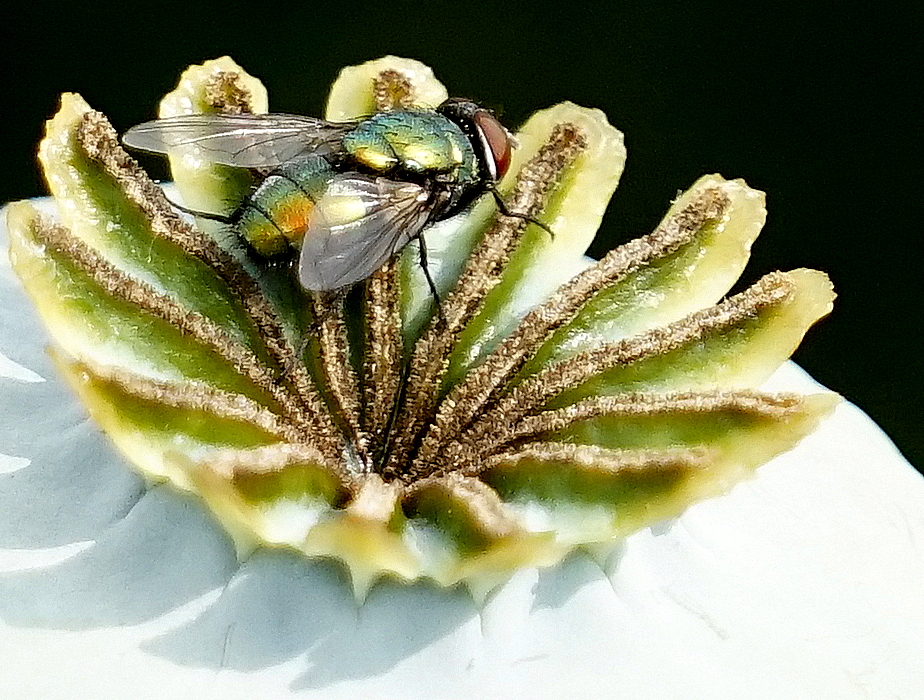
272, 495
462, 531
368, 536
740, 354
152, 434
205, 186
719, 447
352, 95
575, 207
600, 492
679, 281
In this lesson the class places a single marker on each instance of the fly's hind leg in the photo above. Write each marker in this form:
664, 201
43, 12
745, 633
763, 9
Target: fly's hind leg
229, 219
234, 218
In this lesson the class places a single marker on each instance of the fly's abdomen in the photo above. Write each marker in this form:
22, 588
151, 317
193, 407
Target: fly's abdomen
279, 211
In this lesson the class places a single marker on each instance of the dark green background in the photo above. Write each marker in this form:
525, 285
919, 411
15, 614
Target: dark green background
820, 107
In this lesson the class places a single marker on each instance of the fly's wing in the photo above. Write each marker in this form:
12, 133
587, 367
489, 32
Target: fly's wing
240, 140
356, 226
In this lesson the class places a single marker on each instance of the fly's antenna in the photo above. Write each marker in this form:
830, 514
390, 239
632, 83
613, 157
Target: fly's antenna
502, 206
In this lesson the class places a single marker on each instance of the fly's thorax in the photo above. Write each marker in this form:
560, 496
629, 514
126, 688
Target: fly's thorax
411, 144
277, 214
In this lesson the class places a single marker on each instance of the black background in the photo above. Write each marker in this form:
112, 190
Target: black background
820, 107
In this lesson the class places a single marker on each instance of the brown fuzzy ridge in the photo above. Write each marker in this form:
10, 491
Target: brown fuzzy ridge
391, 89
430, 356
600, 459
773, 406
481, 383
225, 92
96, 137
383, 357
341, 380
536, 390
194, 396
384, 352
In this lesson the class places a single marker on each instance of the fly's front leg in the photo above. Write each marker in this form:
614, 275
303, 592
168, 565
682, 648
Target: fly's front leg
502, 207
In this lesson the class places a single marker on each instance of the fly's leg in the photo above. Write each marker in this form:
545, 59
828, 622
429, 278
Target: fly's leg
426, 270
502, 206
234, 218
230, 219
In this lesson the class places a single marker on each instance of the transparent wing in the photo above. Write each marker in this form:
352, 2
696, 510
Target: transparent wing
241, 140
357, 225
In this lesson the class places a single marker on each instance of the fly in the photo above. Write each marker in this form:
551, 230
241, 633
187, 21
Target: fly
350, 195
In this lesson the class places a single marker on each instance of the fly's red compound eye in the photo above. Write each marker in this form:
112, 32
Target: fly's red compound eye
496, 141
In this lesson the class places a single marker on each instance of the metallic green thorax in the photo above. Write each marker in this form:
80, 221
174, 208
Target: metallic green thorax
415, 143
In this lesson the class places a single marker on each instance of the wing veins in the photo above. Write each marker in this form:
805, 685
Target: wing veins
347, 252
246, 141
